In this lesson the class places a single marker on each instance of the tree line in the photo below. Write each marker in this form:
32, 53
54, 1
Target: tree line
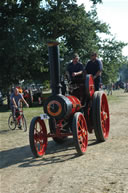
26, 26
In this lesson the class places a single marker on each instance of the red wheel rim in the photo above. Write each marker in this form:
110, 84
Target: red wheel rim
82, 133
105, 116
89, 85
40, 137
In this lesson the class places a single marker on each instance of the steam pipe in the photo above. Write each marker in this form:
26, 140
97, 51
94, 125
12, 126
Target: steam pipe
54, 62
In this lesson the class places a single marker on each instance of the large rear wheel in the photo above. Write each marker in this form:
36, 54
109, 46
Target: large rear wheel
80, 134
101, 119
38, 137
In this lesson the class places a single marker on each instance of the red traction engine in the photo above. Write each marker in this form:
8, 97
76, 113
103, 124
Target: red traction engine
75, 114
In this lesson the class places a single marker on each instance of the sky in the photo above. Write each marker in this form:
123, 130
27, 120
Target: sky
114, 13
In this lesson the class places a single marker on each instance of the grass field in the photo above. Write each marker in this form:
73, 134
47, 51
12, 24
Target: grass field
115, 97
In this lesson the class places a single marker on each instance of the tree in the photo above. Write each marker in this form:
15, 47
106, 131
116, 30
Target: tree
96, 1
27, 26
21, 54
73, 26
123, 72
111, 54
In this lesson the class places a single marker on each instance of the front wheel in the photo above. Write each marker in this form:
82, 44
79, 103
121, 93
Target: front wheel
38, 137
11, 122
80, 134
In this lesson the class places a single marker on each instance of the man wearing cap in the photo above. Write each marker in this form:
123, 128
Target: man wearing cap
95, 67
75, 68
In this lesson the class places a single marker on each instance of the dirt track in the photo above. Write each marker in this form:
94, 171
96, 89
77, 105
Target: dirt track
103, 168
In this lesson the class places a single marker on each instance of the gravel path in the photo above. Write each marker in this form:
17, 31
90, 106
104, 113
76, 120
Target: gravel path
103, 168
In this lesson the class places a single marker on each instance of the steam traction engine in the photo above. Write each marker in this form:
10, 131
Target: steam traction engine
74, 114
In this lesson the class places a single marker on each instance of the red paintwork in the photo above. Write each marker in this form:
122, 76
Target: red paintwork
91, 86
82, 132
20, 115
58, 133
40, 137
76, 104
105, 119
26, 95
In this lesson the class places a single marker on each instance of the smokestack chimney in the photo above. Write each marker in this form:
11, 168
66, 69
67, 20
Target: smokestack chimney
54, 61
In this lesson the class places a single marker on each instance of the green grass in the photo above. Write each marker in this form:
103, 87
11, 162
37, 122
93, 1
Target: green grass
113, 98
32, 112
117, 96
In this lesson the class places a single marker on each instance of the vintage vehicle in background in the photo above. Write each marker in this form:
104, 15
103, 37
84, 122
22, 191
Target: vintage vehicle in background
119, 84
36, 92
126, 87
33, 93
27, 94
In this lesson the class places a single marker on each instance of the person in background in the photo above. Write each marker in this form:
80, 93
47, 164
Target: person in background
95, 67
16, 100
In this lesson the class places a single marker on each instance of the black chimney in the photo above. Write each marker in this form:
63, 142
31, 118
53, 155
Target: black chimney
54, 61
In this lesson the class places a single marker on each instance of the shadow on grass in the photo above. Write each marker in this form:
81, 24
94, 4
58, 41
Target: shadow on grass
55, 153
4, 108
4, 131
